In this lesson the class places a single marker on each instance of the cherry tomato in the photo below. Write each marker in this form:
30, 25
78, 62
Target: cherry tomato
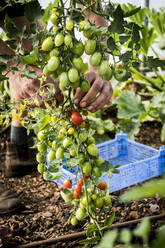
80, 213
53, 18
54, 145
90, 140
78, 63
51, 155
69, 196
46, 71
42, 147
99, 161
40, 157
67, 40
103, 68
54, 52
41, 168
53, 63
107, 200
101, 186
72, 152
99, 202
87, 168
78, 188
81, 183
55, 29
60, 153
96, 171
95, 59
83, 124
76, 118
59, 39
87, 34
77, 194
41, 135
85, 176
108, 75
83, 24
78, 49
85, 86
120, 75
92, 149
47, 44
74, 221
90, 46
63, 80
67, 183
73, 75
71, 131
69, 25
66, 142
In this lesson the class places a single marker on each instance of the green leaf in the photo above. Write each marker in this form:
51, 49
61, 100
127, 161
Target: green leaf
90, 229
149, 189
106, 166
109, 220
131, 12
124, 38
160, 241
129, 105
130, 126
108, 239
11, 28
11, 43
51, 176
31, 58
33, 11
125, 57
125, 236
116, 25
63, 195
93, 240
154, 62
143, 229
111, 44
28, 73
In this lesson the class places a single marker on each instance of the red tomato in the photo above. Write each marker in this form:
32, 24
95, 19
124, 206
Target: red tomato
69, 196
78, 188
76, 118
101, 186
77, 194
81, 182
67, 183
85, 176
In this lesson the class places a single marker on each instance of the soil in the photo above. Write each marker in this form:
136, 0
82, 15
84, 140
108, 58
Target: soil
44, 214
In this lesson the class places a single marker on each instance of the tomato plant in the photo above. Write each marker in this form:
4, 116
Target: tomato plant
67, 183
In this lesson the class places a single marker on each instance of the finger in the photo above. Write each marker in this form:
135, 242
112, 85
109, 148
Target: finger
102, 99
78, 96
94, 90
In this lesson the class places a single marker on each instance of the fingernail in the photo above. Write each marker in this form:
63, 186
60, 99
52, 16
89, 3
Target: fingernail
91, 108
83, 104
76, 101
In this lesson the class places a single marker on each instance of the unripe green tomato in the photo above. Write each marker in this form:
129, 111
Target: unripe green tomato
69, 25
53, 18
80, 213
75, 85
78, 63
81, 157
40, 158
107, 76
54, 145
53, 63
96, 171
104, 68
51, 155
120, 75
87, 168
83, 136
54, 75
74, 221
54, 52
72, 152
75, 202
95, 59
60, 153
78, 49
87, 34
90, 46
107, 200
71, 131
47, 44
67, 40
55, 29
63, 80
41, 168
73, 75
84, 201
85, 86
59, 39
91, 140
66, 142
92, 149
99, 161
41, 135
94, 197
42, 147
99, 203
46, 71
83, 24
100, 130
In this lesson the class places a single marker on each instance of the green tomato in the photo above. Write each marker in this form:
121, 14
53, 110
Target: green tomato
46, 71
87, 34
73, 75
96, 171
53, 63
72, 152
74, 221
59, 39
60, 153
80, 213
85, 86
75, 85
42, 147
95, 59
54, 52
41, 168
41, 135
87, 168
55, 29
104, 68
78, 49
90, 46
99, 161
107, 200
63, 80
78, 63
67, 40
47, 44
40, 158
54, 18
54, 145
84, 200
83, 136
91, 140
69, 25
92, 149
99, 203
66, 142
51, 155
120, 75
81, 157
108, 75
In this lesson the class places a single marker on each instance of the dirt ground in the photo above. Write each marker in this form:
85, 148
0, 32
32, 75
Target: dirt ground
44, 214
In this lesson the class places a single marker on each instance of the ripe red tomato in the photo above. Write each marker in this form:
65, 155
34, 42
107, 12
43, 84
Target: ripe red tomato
69, 196
76, 118
81, 182
101, 186
77, 194
78, 188
85, 176
67, 183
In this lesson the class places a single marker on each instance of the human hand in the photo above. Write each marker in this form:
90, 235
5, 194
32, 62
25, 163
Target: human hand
23, 87
98, 86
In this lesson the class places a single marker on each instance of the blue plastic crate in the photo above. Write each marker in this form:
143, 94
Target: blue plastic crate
137, 162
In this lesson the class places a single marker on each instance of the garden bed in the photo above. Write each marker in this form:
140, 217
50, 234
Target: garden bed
45, 214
